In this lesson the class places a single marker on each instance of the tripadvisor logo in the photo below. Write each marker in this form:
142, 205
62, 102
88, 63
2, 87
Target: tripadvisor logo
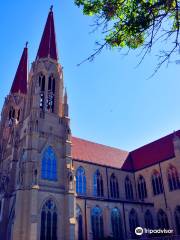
139, 231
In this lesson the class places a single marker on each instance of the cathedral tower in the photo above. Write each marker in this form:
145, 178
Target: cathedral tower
40, 202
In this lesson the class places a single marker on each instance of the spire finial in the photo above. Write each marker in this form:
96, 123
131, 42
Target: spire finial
26, 44
65, 96
51, 8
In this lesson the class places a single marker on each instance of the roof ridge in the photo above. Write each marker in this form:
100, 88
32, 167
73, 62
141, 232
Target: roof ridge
157, 140
89, 141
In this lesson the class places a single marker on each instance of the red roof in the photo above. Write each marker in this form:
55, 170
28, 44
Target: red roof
47, 46
20, 80
152, 153
97, 153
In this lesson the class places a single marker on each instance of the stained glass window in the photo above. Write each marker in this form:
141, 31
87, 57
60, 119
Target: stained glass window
98, 184
133, 222
49, 221
128, 189
142, 190
114, 187
162, 220
148, 219
157, 183
79, 219
49, 165
80, 181
116, 224
97, 223
173, 178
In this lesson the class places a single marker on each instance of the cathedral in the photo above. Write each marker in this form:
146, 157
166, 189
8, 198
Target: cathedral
55, 186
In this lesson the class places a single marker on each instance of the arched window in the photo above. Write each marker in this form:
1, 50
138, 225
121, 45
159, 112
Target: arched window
133, 222
128, 189
42, 89
116, 224
177, 219
51, 94
98, 184
114, 187
97, 223
162, 220
49, 221
49, 165
79, 219
157, 183
173, 178
80, 181
18, 115
12, 113
148, 219
142, 191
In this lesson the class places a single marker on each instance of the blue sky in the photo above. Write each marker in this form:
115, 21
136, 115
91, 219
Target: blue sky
111, 101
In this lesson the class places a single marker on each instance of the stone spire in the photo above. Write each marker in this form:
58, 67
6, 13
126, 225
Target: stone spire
65, 105
47, 47
20, 80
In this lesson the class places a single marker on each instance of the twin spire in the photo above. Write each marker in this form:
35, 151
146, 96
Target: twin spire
47, 49
20, 79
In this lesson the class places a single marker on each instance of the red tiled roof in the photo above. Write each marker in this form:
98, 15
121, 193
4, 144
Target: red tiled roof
47, 47
97, 153
20, 80
152, 153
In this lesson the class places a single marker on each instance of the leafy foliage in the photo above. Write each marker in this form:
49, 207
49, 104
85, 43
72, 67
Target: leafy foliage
135, 23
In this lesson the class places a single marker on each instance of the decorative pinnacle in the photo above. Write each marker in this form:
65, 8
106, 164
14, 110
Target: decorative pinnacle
26, 44
51, 8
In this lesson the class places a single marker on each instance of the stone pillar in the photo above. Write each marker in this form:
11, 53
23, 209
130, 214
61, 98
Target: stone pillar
89, 229
34, 213
21, 228
107, 221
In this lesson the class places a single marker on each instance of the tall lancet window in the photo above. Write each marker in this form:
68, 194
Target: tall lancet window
79, 220
157, 183
116, 224
162, 220
80, 181
114, 187
49, 221
98, 184
133, 223
51, 94
42, 89
97, 223
128, 189
12, 113
142, 190
173, 178
49, 165
148, 219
